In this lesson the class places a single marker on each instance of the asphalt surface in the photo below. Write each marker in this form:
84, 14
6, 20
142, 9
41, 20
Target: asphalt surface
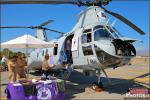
121, 79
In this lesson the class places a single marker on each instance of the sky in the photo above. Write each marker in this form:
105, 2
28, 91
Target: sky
65, 17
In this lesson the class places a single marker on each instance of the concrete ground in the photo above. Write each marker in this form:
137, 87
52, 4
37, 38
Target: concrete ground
121, 78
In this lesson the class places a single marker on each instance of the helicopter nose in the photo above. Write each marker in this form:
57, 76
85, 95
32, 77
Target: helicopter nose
105, 45
108, 52
105, 55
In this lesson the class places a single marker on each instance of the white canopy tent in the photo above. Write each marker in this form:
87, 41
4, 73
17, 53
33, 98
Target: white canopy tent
26, 41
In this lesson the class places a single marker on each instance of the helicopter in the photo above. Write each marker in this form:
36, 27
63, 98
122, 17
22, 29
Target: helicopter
92, 44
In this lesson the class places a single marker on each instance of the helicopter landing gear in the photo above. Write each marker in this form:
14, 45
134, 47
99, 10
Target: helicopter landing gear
65, 74
99, 83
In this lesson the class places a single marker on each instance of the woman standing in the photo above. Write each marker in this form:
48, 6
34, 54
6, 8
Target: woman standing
12, 63
45, 65
20, 69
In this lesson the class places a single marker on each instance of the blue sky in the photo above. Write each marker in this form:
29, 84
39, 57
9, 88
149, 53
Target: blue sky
65, 18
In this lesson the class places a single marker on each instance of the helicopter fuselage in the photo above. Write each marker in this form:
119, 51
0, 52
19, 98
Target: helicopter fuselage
95, 44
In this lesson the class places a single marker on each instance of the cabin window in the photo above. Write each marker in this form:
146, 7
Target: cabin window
46, 51
43, 53
37, 55
87, 50
100, 33
89, 37
55, 49
86, 38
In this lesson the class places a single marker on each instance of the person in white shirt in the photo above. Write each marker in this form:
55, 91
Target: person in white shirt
3, 60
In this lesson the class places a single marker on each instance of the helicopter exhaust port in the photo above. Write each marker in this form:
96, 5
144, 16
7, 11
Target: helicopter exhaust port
124, 48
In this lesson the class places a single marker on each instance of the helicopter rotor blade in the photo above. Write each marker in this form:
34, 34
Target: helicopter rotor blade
14, 27
53, 30
45, 23
36, 27
33, 27
75, 2
38, 1
126, 21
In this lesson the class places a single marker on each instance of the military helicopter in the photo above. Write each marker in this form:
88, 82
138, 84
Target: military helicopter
92, 44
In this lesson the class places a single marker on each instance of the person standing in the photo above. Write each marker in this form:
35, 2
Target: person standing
68, 50
63, 58
3, 62
12, 63
20, 69
3, 59
45, 65
51, 61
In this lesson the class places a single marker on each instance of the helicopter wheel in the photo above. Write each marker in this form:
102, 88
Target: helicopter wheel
100, 85
96, 85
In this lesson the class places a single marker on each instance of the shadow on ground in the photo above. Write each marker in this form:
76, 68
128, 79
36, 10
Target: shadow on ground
117, 86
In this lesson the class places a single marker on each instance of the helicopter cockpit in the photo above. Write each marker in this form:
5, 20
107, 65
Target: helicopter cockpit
100, 32
114, 32
111, 36
105, 32
109, 47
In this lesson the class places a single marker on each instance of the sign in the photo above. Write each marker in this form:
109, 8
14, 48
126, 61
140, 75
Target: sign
44, 93
74, 44
102, 15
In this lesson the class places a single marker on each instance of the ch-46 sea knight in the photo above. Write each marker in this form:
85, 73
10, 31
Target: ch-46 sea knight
95, 43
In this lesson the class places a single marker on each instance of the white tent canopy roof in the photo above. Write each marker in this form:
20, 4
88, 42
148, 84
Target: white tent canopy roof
26, 41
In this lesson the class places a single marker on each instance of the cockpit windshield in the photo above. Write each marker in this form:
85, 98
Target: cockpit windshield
100, 33
120, 35
114, 32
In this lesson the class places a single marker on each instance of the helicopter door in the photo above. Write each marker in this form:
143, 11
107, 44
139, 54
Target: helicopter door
67, 48
75, 50
87, 46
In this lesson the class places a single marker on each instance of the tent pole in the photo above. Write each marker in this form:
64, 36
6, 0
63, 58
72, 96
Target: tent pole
27, 61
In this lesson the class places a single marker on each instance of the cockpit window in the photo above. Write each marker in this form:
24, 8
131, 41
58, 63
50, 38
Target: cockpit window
86, 38
101, 33
112, 31
118, 32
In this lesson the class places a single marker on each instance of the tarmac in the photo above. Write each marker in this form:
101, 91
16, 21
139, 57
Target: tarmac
78, 85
